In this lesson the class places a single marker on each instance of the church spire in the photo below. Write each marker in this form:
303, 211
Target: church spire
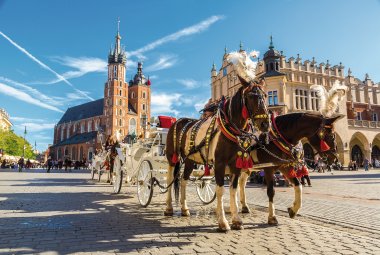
118, 38
271, 43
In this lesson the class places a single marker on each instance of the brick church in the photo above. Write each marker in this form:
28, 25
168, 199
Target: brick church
125, 108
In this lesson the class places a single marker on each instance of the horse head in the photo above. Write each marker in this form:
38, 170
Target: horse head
324, 140
253, 99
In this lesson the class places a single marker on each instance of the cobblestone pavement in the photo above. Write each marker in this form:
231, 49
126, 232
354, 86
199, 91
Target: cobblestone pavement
64, 213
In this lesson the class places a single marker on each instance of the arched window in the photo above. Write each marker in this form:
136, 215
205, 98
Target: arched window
120, 102
133, 95
66, 152
132, 126
68, 132
73, 153
81, 153
143, 95
357, 155
59, 153
375, 153
82, 127
89, 126
121, 112
62, 130
120, 93
120, 122
115, 72
143, 107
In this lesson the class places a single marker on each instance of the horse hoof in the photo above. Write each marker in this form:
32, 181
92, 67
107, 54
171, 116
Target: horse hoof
168, 212
292, 214
272, 220
185, 213
245, 209
223, 228
237, 226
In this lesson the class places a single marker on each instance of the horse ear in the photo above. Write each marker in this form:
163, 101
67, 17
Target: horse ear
334, 118
243, 82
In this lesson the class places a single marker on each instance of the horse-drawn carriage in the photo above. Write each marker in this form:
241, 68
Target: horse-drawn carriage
144, 164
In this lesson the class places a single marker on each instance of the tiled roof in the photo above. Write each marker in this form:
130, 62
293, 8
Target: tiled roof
83, 111
78, 138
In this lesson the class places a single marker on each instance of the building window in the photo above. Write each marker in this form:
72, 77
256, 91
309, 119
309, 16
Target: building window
62, 133
82, 128
120, 122
272, 97
374, 117
301, 99
314, 101
358, 115
143, 95
89, 126
68, 132
133, 95
143, 107
132, 126
225, 71
120, 102
115, 72
120, 112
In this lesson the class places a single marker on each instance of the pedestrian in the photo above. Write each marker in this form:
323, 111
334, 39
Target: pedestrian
20, 164
303, 173
366, 164
49, 164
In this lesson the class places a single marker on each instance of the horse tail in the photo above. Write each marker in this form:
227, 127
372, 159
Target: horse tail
176, 181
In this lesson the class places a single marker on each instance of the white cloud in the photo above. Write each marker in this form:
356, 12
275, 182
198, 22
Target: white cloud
20, 95
193, 84
164, 103
22, 119
200, 104
195, 29
164, 62
44, 66
35, 127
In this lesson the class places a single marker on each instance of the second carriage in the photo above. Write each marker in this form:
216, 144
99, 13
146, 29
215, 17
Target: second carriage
144, 165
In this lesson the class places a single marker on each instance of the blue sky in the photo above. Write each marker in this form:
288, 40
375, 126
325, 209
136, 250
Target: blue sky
53, 53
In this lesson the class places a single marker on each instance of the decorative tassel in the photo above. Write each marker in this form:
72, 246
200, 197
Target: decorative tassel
292, 173
174, 158
299, 173
250, 162
244, 112
239, 162
324, 146
207, 170
305, 171
245, 163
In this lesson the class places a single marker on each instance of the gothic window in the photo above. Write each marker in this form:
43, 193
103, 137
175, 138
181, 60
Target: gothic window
143, 95
120, 93
120, 112
62, 134
120, 122
225, 71
82, 127
89, 126
374, 117
314, 101
132, 126
120, 102
143, 107
133, 95
68, 132
272, 97
359, 116
114, 72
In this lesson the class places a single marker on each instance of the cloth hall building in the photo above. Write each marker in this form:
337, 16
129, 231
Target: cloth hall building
125, 108
288, 84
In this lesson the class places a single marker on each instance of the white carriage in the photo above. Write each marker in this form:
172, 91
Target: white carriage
144, 164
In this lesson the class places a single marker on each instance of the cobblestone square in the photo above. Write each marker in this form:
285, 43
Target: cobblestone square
66, 213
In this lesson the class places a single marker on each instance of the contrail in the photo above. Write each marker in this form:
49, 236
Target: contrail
45, 66
197, 28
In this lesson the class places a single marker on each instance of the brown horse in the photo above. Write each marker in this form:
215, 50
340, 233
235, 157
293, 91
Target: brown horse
282, 152
219, 141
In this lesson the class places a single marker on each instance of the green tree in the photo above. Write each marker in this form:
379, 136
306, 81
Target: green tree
13, 144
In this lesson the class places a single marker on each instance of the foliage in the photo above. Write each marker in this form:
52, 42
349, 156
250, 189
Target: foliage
12, 144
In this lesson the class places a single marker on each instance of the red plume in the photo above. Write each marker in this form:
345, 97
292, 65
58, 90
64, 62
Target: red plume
244, 112
207, 170
324, 146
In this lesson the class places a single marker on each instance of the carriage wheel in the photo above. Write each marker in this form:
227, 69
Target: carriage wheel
145, 183
117, 176
206, 190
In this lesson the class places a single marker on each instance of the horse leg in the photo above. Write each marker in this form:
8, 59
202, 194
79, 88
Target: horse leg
169, 180
237, 223
272, 220
223, 225
242, 183
188, 169
297, 204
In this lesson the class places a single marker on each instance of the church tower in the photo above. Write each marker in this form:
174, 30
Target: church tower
140, 97
116, 90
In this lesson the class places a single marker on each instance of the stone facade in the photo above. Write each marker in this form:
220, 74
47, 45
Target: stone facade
288, 84
5, 123
125, 108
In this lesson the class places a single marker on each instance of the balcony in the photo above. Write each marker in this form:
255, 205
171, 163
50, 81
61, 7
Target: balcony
363, 123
